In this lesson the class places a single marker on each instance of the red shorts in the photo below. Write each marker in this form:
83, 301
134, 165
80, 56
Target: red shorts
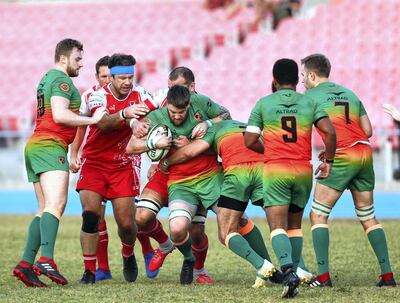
158, 183
110, 184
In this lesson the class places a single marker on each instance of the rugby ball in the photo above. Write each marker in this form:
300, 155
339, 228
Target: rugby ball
155, 134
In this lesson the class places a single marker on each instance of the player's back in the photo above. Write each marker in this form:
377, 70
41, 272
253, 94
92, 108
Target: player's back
344, 109
55, 83
229, 144
287, 118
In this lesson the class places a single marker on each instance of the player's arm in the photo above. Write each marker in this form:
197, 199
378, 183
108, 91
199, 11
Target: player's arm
391, 110
75, 163
327, 129
366, 126
62, 114
110, 122
185, 154
254, 129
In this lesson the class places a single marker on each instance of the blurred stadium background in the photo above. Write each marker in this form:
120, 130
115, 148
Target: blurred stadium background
232, 62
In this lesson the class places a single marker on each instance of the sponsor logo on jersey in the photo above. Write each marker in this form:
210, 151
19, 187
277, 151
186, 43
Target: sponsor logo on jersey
336, 94
197, 117
288, 105
64, 87
61, 159
112, 107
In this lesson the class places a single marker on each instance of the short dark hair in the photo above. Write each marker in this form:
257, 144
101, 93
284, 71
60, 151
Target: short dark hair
121, 60
318, 63
184, 72
286, 71
178, 96
102, 62
65, 47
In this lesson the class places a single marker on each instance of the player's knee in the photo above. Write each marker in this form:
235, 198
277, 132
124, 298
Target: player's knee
366, 215
319, 212
90, 222
222, 236
197, 232
144, 216
178, 228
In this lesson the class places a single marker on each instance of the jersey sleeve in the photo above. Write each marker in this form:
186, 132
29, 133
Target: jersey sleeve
209, 135
363, 112
319, 111
255, 123
146, 98
62, 87
211, 108
153, 118
84, 108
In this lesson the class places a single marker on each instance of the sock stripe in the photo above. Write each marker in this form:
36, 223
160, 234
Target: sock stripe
278, 231
52, 211
372, 228
295, 233
229, 236
319, 226
247, 228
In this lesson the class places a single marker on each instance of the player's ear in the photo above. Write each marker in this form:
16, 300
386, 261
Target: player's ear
192, 87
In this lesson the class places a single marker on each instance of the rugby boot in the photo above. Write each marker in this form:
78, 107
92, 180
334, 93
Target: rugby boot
290, 283
186, 276
88, 277
47, 267
266, 271
387, 280
147, 259
323, 280
130, 268
28, 276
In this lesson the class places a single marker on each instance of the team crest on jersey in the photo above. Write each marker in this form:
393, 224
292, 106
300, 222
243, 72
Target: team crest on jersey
112, 107
61, 160
198, 117
64, 87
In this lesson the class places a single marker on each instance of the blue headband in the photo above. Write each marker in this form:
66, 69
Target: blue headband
122, 70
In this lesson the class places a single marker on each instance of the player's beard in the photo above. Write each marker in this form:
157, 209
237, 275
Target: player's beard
72, 72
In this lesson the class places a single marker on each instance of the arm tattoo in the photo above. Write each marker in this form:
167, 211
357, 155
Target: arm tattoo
225, 114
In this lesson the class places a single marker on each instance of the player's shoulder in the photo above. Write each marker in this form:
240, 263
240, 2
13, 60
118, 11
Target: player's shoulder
199, 98
160, 97
90, 90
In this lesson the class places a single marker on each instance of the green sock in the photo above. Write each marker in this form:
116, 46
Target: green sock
320, 237
377, 239
302, 264
48, 233
186, 250
256, 242
297, 246
282, 249
32, 242
241, 247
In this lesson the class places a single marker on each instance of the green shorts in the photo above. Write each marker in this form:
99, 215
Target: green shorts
353, 169
40, 158
243, 182
200, 191
287, 182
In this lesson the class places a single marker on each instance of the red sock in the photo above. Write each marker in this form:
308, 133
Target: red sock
155, 230
102, 247
200, 252
324, 277
387, 276
127, 250
24, 264
90, 262
144, 242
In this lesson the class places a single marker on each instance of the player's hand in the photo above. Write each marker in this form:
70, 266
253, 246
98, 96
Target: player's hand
152, 170
139, 129
136, 111
321, 156
97, 99
391, 110
99, 114
164, 167
162, 141
181, 141
323, 170
74, 165
199, 130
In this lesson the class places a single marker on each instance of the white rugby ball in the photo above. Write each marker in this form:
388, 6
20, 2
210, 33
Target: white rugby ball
155, 133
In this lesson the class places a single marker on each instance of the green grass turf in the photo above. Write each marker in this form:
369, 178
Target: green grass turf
354, 269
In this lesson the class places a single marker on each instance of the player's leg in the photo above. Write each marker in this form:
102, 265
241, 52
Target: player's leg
365, 211
89, 235
229, 216
54, 186
103, 271
24, 271
181, 213
154, 196
200, 246
124, 213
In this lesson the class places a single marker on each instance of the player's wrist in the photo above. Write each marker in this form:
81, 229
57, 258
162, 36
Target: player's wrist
165, 163
122, 114
329, 161
209, 122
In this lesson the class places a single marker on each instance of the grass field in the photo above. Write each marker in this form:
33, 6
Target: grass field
353, 267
